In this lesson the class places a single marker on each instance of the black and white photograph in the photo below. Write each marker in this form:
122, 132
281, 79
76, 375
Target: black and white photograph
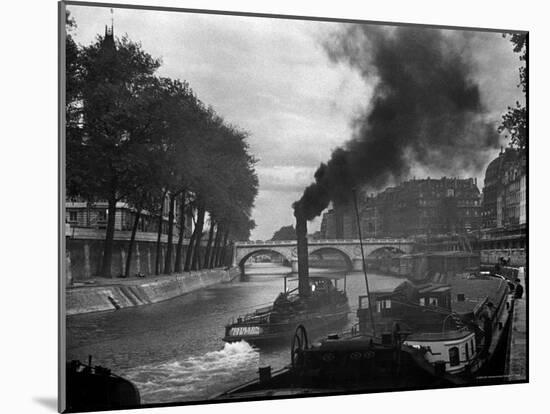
265, 206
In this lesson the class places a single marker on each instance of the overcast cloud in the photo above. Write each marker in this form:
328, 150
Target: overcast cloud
273, 78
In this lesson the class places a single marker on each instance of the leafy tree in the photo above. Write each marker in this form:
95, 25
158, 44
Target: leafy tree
285, 233
514, 121
101, 157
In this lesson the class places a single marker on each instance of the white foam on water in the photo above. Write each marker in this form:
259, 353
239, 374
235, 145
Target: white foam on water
196, 377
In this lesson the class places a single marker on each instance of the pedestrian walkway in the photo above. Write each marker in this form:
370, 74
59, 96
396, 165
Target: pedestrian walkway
516, 361
134, 281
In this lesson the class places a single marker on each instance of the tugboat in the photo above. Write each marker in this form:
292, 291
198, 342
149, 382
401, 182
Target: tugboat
325, 307
316, 303
96, 388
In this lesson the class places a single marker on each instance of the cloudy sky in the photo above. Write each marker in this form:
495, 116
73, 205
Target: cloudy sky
273, 78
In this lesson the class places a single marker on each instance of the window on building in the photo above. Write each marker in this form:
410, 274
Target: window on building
382, 305
450, 192
454, 357
73, 216
102, 215
422, 301
467, 351
433, 301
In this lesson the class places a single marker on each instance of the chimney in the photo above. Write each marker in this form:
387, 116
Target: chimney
303, 265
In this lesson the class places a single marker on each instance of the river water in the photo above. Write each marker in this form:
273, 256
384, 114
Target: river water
173, 350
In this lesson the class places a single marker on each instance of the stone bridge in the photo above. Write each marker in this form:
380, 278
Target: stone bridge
350, 250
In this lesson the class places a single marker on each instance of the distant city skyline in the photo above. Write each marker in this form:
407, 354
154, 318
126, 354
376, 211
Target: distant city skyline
273, 78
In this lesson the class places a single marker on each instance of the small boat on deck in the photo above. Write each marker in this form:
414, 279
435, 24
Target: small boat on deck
325, 307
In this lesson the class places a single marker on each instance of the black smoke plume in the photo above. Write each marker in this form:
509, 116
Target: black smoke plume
425, 111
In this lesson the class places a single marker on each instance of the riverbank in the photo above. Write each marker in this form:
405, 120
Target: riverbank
111, 294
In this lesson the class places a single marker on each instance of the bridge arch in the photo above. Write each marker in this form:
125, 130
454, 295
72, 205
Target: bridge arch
348, 260
287, 258
385, 250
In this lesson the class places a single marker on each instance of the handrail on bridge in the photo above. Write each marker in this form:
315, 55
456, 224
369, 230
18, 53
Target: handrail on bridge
325, 241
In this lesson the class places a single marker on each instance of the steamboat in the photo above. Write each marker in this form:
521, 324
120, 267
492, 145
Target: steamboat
325, 307
317, 304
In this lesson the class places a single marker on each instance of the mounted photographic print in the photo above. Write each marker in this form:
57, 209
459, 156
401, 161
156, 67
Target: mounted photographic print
260, 207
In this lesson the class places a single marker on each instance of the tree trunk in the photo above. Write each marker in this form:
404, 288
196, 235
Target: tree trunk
209, 245
189, 254
131, 243
169, 247
200, 225
181, 234
159, 233
216, 250
224, 249
109, 236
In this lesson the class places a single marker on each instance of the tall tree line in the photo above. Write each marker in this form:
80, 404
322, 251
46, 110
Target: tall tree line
137, 137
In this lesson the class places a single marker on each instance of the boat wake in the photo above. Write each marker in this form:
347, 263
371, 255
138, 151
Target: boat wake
198, 377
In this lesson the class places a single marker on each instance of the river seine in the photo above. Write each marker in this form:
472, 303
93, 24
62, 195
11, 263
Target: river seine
173, 350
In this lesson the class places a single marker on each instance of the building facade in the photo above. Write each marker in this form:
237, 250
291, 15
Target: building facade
504, 192
93, 215
416, 207
504, 207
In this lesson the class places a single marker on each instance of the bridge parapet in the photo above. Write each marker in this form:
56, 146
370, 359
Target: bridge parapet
326, 241
349, 248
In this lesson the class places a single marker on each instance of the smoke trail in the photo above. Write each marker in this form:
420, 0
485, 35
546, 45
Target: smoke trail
425, 111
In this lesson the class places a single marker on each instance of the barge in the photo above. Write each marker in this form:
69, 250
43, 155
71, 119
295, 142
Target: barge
458, 322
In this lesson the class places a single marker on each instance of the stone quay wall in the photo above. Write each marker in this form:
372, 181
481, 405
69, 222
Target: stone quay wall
137, 292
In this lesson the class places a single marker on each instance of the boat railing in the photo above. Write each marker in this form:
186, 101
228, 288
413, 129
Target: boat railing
250, 317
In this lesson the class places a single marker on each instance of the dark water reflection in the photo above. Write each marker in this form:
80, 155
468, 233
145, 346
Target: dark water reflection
173, 350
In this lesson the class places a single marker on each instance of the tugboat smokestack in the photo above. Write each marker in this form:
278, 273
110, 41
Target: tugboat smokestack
303, 265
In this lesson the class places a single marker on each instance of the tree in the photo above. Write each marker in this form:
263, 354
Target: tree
178, 265
514, 121
101, 156
285, 233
